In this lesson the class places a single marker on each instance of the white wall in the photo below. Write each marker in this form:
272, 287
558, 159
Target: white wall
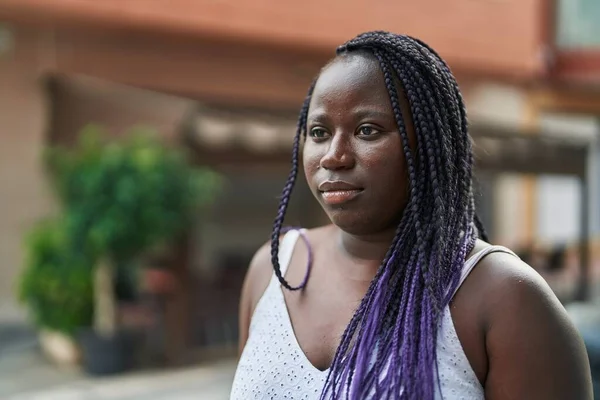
557, 198
24, 194
559, 209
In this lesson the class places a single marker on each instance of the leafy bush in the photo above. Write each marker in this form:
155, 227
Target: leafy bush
56, 283
122, 197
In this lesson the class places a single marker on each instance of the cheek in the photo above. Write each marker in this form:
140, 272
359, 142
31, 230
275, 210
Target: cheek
388, 167
393, 173
310, 162
387, 158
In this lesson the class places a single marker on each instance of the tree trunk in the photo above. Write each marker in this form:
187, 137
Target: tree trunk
105, 316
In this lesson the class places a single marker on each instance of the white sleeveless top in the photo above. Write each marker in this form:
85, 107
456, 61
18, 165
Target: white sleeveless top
273, 366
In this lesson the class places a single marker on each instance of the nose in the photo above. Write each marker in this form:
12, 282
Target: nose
339, 154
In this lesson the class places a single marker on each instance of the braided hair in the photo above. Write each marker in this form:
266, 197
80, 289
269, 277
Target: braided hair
389, 346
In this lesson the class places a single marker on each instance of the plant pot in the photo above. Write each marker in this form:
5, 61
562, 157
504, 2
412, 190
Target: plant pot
159, 281
106, 355
61, 349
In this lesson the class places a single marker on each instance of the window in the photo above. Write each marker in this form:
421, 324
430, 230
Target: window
578, 24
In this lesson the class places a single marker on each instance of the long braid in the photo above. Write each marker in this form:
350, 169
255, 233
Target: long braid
389, 347
480, 228
287, 192
479, 225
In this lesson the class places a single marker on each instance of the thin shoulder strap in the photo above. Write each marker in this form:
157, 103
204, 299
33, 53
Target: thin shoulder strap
474, 260
286, 249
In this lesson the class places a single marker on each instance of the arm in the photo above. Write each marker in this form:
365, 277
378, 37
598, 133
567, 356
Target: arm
255, 283
534, 351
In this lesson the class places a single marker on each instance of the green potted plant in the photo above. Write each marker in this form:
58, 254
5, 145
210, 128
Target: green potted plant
56, 287
122, 199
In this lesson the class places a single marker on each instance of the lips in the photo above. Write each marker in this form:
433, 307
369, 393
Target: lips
338, 192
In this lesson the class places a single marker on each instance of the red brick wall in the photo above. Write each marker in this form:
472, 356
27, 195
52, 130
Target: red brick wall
486, 35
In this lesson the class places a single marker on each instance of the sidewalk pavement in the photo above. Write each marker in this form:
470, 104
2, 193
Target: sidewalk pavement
27, 376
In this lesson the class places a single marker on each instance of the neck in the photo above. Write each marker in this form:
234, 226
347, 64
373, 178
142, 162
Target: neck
371, 247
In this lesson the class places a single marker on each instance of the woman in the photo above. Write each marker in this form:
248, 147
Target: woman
390, 304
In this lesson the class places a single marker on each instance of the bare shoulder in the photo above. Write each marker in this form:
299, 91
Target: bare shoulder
510, 283
260, 269
257, 280
255, 283
534, 351
257, 276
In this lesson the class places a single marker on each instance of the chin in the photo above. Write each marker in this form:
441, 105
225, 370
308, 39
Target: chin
357, 223
352, 223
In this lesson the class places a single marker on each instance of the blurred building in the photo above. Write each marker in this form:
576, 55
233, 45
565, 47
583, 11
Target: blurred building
227, 79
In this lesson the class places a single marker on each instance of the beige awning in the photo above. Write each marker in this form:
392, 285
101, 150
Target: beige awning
260, 133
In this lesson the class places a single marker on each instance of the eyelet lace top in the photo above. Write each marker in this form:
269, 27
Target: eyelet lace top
273, 366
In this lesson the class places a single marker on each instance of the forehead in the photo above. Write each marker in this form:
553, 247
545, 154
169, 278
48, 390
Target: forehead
350, 81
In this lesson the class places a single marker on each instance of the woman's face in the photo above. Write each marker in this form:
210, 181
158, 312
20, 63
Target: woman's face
353, 157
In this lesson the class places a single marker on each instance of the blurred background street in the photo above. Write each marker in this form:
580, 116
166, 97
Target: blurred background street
144, 144
30, 377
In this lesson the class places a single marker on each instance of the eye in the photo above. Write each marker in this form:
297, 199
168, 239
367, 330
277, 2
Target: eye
368, 131
318, 133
